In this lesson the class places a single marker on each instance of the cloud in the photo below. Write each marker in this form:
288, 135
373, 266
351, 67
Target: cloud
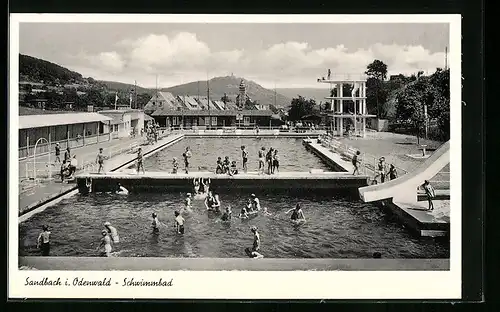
183, 56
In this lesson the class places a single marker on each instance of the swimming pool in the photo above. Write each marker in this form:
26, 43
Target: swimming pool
293, 155
337, 227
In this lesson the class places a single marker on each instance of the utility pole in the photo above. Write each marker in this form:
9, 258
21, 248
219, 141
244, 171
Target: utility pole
208, 103
135, 94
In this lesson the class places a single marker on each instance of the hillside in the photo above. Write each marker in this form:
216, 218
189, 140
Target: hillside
317, 94
124, 87
38, 70
230, 85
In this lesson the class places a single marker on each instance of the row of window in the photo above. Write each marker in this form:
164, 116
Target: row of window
176, 120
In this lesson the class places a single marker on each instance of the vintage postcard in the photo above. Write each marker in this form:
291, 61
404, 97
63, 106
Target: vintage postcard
235, 156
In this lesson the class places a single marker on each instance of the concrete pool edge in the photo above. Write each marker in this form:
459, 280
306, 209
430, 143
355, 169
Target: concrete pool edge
228, 264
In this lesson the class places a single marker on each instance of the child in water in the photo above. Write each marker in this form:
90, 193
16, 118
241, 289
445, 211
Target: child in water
179, 223
226, 216
156, 223
105, 245
43, 242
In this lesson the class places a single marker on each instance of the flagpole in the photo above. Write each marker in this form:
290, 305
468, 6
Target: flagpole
208, 103
116, 98
135, 93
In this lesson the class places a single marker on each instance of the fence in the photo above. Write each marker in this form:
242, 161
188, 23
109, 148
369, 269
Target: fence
49, 170
368, 161
44, 148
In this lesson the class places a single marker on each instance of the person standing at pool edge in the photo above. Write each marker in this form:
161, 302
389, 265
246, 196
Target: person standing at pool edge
58, 153
43, 242
262, 154
139, 161
187, 155
355, 162
244, 156
429, 191
100, 160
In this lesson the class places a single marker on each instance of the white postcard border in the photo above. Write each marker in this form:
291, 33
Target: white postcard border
246, 284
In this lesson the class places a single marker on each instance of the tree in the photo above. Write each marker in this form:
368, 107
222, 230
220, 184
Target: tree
376, 95
301, 107
377, 69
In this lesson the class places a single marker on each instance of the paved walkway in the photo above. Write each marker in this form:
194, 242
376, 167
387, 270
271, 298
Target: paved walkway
31, 193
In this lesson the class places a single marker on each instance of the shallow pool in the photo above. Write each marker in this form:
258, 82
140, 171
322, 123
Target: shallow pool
293, 155
336, 228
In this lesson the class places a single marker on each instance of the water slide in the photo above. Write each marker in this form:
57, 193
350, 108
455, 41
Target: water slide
404, 188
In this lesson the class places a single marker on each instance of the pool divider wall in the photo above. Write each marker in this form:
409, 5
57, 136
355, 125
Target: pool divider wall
229, 264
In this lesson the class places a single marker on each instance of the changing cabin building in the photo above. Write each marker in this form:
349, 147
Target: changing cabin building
67, 129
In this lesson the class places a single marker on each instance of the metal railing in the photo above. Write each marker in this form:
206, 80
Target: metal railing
368, 162
45, 148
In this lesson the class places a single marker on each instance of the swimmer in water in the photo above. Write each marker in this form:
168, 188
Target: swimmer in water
226, 216
43, 242
265, 212
196, 186
206, 185
216, 205
254, 251
105, 245
249, 206
243, 213
187, 202
121, 190
297, 214
179, 223
255, 202
156, 223
112, 231
209, 201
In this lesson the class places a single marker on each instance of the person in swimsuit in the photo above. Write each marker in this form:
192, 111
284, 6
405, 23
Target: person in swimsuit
226, 216
393, 174
187, 202
381, 170
297, 214
243, 213
244, 156
254, 251
112, 232
43, 242
196, 185
216, 204
100, 160
121, 190
262, 154
179, 223
276, 162
64, 169
206, 185
156, 223
225, 165
355, 162
67, 154
209, 201
233, 169
429, 191
187, 155
105, 245
269, 160
175, 165
219, 169
255, 203
58, 153
139, 161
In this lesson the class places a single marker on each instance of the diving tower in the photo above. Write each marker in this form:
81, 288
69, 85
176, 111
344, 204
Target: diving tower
347, 107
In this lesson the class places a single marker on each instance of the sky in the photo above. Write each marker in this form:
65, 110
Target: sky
281, 55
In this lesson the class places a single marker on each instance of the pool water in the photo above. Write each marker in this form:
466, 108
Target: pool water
336, 227
293, 155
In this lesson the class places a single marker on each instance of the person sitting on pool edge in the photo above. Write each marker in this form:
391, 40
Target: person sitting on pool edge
297, 213
179, 223
226, 216
219, 169
225, 165
233, 169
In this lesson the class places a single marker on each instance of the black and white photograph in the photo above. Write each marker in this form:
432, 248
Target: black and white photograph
233, 156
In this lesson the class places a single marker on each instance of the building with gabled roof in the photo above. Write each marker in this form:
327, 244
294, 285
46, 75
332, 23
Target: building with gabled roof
161, 99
